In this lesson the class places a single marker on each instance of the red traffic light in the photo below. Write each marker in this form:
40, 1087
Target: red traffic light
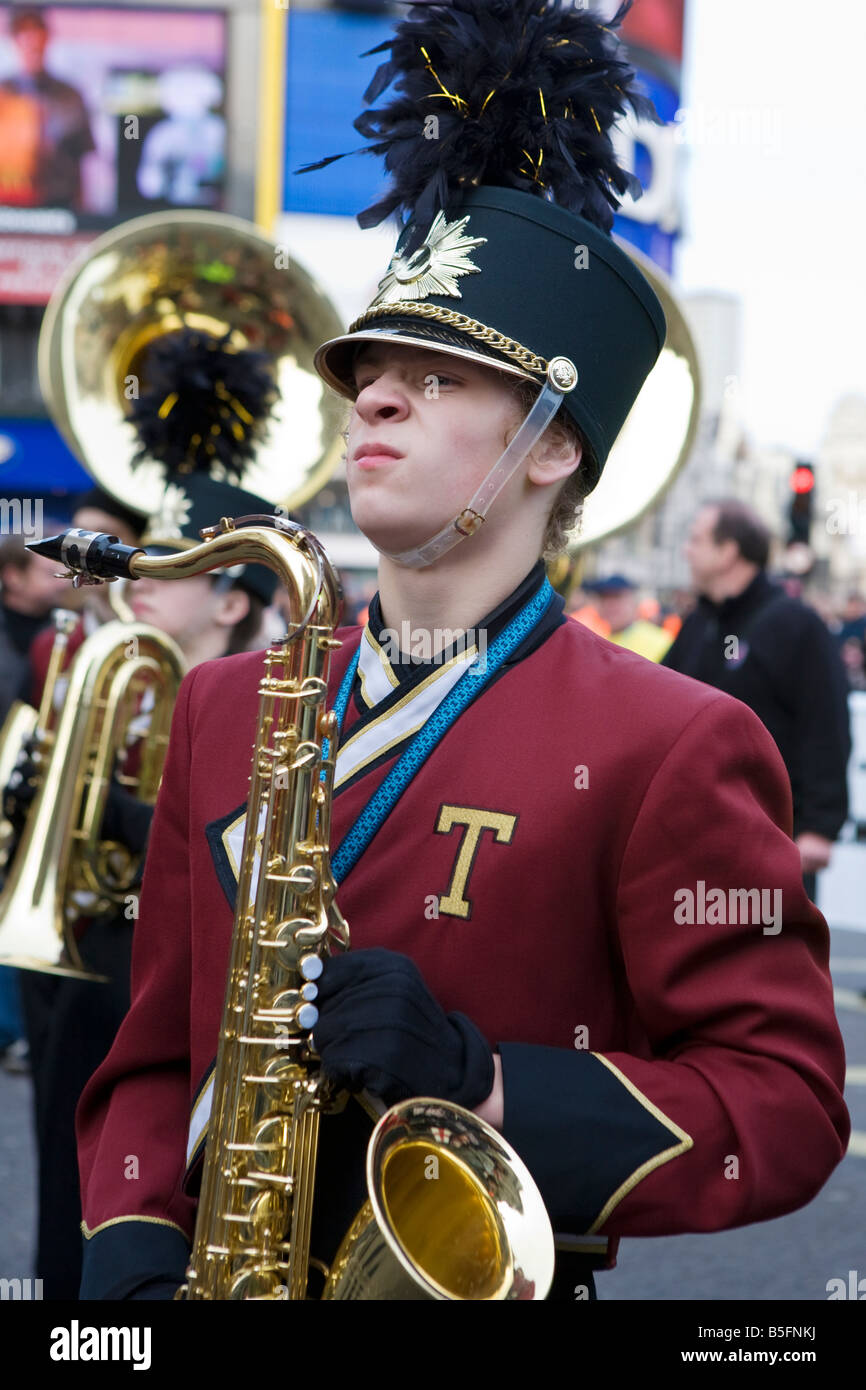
802, 479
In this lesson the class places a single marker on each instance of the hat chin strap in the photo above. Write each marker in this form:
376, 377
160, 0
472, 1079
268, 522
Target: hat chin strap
561, 378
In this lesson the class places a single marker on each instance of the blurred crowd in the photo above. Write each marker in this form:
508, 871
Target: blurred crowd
793, 662
648, 620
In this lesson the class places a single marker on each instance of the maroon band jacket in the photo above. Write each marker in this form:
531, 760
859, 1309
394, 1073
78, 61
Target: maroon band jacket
595, 865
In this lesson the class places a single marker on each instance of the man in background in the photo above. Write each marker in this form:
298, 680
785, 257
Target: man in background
29, 589
853, 624
44, 127
746, 636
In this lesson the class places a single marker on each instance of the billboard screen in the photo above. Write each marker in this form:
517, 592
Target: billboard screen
105, 114
326, 76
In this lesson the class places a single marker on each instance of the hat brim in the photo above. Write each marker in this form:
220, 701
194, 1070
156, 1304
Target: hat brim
334, 362
253, 579
334, 359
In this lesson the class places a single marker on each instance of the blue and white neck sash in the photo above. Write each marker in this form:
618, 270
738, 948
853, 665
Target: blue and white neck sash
448, 709
402, 715
426, 713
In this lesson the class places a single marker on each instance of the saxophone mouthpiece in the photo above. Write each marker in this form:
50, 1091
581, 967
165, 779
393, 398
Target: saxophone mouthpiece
93, 554
50, 547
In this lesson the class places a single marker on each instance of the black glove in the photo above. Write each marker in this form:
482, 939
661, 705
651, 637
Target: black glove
381, 1029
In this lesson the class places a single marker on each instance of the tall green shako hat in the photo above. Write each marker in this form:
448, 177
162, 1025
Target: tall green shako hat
505, 179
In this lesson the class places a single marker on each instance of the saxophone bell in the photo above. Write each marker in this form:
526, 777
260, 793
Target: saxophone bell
452, 1214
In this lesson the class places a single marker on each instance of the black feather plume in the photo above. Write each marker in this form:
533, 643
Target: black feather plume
203, 404
525, 92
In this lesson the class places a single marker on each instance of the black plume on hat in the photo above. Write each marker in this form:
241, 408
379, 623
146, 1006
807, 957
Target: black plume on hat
525, 92
205, 403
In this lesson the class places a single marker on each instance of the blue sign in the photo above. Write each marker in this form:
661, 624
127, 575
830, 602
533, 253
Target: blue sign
325, 79
35, 462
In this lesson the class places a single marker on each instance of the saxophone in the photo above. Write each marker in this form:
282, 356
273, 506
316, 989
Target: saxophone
452, 1213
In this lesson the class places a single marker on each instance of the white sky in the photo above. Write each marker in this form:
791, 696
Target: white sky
775, 199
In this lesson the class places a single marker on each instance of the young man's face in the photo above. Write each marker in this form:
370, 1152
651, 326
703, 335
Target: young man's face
445, 419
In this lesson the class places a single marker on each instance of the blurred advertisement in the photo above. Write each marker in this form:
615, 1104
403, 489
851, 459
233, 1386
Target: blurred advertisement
325, 77
104, 114
655, 25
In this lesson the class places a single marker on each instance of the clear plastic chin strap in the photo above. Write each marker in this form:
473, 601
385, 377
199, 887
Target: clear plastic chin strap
561, 378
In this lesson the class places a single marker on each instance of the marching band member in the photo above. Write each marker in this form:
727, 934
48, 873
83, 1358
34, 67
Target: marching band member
94, 511
72, 1023
522, 903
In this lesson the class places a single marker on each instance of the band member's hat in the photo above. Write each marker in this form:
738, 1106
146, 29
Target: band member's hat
193, 501
612, 584
505, 256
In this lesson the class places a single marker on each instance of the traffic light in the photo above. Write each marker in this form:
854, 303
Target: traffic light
802, 485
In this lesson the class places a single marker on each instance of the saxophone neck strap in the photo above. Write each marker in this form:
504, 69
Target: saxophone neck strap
474, 680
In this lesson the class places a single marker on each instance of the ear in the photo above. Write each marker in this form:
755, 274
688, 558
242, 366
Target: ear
730, 550
12, 579
553, 460
234, 606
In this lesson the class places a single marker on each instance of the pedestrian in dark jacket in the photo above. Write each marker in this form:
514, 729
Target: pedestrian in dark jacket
746, 636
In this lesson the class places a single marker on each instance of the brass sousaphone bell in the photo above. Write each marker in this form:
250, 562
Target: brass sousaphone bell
152, 277
658, 434
653, 444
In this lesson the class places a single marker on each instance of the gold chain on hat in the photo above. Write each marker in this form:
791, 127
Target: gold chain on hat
413, 308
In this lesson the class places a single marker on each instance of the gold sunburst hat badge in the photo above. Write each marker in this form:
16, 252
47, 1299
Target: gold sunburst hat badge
168, 522
434, 268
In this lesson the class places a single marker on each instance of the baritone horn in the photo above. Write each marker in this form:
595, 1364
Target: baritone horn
62, 868
26, 727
